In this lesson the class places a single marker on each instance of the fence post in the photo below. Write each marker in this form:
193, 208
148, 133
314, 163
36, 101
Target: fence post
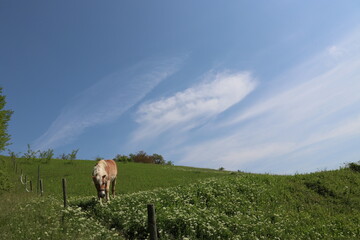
26, 189
41, 187
152, 222
21, 177
38, 180
64, 192
30, 186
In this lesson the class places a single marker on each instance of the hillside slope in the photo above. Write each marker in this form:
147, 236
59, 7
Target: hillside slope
190, 203
323, 205
132, 177
25, 215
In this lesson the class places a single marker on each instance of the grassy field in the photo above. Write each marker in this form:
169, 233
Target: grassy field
132, 177
324, 205
24, 215
190, 204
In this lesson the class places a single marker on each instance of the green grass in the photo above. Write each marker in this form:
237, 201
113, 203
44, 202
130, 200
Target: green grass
25, 215
324, 205
190, 203
132, 177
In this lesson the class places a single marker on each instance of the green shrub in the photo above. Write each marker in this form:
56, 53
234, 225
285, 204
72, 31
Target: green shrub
354, 166
122, 158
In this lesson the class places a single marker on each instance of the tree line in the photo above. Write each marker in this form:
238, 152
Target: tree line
142, 157
44, 156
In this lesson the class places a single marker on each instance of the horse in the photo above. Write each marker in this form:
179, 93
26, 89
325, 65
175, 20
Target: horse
104, 173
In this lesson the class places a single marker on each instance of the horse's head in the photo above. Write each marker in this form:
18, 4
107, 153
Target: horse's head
100, 184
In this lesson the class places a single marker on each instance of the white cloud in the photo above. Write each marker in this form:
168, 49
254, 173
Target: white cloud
335, 51
318, 110
187, 109
248, 145
106, 100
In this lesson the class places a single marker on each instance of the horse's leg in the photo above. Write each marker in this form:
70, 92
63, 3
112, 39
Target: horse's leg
107, 192
113, 187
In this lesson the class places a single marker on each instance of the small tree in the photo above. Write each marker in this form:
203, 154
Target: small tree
30, 155
122, 158
170, 163
141, 157
72, 155
46, 155
13, 156
158, 159
5, 116
354, 166
64, 156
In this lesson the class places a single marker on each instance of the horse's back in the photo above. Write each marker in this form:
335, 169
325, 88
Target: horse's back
111, 168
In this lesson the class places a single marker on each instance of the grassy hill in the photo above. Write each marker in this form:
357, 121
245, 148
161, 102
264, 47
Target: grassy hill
132, 177
190, 203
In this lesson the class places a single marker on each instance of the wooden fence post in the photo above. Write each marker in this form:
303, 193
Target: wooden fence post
41, 187
152, 222
30, 186
64, 192
38, 180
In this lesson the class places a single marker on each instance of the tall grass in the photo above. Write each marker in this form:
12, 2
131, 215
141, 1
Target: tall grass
190, 204
25, 215
323, 205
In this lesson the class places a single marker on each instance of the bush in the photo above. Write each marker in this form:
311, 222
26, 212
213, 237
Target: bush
30, 155
46, 155
158, 159
64, 156
70, 156
354, 166
13, 156
122, 158
141, 157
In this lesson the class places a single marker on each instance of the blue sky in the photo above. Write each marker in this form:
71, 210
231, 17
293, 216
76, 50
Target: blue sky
258, 86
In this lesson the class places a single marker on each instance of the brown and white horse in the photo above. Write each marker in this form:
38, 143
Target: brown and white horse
105, 172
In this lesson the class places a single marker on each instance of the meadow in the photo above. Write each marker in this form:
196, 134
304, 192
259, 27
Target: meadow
190, 203
132, 177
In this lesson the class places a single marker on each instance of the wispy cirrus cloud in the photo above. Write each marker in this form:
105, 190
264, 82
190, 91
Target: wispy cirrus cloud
317, 113
106, 100
190, 108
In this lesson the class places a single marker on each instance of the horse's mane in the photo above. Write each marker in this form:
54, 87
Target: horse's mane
99, 168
